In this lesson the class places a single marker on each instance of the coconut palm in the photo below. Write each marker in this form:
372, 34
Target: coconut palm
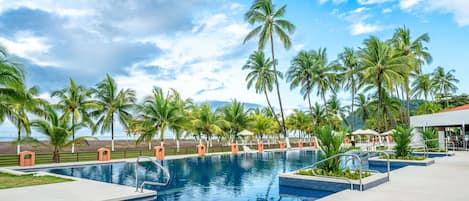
206, 122
325, 79
319, 115
301, 74
11, 78
268, 22
382, 67
422, 86
75, 103
261, 125
262, 76
299, 122
362, 103
337, 112
28, 102
159, 113
58, 132
444, 83
111, 105
418, 55
236, 117
351, 74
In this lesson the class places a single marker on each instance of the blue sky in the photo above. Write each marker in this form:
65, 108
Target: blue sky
196, 46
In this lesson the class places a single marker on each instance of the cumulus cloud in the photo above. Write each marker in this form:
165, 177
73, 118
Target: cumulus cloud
333, 1
406, 4
358, 18
362, 28
367, 2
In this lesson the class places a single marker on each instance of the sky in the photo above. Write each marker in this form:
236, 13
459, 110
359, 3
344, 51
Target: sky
196, 46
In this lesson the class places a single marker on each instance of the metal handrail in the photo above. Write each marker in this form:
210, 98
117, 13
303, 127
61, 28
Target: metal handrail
336, 156
425, 149
166, 172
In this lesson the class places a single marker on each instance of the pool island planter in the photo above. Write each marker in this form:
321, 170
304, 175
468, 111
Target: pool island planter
330, 184
376, 161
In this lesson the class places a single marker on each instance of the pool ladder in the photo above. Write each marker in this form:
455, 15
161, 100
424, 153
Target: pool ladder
165, 171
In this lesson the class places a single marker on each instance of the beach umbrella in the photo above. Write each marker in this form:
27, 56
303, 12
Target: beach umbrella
245, 133
365, 132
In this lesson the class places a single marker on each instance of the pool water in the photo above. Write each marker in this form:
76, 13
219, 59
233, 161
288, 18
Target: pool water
252, 176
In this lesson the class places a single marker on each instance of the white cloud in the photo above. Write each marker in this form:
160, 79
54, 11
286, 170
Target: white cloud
201, 62
367, 2
363, 28
30, 47
459, 9
298, 47
333, 1
386, 10
407, 4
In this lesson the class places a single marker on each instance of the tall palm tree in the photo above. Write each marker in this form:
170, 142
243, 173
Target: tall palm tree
319, 115
268, 22
236, 117
362, 103
58, 132
261, 125
159, 113
299, 122
301, 73
18, 110
206, 122
418, 55
325, 79
382, 66
262, 76
337, 112
75, 103
444, 83
111, 105
351, 75
422, 86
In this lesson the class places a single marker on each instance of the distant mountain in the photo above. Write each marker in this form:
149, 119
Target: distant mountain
215, 104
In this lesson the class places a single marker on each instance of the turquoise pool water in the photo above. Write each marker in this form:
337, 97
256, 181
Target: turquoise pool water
250, 176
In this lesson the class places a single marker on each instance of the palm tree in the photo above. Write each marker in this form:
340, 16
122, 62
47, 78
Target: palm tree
261, 125
351, 75
363, 106
382, 66
236, 117
18, 110
299, 122
11, 77
319, 115
418, 55
206, 122
159, 113
444, 82
58, 131
262, 76
270, 22
422, 86
325, 79
337, 112
301, 73
75, 103
112, 104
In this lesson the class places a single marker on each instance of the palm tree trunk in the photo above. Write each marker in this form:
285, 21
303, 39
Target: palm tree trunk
353, 103
310, 106
407, 103
112, 132
378, 118
18, 145
73, 132
401, 114
56, 156
278, 92
177, 145
271, 108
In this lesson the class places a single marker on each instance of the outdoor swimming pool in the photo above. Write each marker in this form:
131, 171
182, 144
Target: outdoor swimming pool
252, 176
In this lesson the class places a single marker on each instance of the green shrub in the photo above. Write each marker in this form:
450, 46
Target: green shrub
432, 135
330, 144
402, 137
344, 173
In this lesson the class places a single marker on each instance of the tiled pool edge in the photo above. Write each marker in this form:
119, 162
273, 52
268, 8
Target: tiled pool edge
329, 184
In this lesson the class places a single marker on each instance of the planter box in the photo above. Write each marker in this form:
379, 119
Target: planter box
376, 161
434, 154
330, 184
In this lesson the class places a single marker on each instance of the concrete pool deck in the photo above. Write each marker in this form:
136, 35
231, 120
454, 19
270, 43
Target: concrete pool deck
445, 180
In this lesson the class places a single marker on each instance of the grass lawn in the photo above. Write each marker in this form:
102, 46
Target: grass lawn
13, 181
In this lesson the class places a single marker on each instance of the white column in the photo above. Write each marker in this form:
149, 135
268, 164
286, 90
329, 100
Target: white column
441, 139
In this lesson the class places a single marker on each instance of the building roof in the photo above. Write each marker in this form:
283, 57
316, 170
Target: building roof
462, 107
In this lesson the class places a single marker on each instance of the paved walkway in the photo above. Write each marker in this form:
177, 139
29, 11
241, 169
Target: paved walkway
447, 179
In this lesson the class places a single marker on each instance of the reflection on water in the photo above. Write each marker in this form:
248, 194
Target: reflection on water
227, 177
